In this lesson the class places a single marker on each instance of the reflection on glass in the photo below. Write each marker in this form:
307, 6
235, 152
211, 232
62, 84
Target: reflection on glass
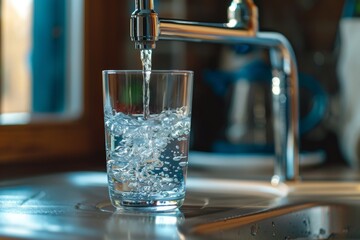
137, 225
41, 59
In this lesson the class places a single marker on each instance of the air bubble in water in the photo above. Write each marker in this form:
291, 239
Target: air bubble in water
136, 151
182, 164
178, 158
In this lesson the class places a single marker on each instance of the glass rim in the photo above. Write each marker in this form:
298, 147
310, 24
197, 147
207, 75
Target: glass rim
152, 71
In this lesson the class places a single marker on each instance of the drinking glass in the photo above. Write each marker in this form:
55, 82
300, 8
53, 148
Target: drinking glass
147, 151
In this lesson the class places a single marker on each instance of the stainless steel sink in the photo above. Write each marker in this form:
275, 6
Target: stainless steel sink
76, 206
294, 221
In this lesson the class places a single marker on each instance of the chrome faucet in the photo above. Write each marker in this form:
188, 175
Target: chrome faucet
242, 28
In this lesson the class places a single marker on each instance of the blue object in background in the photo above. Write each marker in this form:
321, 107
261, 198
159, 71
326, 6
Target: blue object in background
351, 9
48, 57
260, 71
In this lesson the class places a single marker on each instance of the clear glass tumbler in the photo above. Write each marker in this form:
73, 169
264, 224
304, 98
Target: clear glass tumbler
147, 155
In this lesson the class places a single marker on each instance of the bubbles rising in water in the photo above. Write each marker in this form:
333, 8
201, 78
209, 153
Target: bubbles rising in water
145, 156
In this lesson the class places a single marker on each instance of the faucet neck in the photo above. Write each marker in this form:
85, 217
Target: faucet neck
144, 4
238, 14
144, 25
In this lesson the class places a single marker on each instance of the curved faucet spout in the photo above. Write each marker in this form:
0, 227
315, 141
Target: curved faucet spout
285, 76
145, 26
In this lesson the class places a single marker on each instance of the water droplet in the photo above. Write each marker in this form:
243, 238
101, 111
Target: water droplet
254, 229
307, 225
165, 194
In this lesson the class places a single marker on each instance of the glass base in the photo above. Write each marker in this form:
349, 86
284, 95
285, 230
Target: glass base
148, 206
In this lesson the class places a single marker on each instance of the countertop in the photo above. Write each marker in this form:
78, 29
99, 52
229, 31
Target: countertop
69, 203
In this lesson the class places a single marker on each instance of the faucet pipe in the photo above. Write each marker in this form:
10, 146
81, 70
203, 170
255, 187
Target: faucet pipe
238, 14
146, 28
285, 81
144, 4
284, 84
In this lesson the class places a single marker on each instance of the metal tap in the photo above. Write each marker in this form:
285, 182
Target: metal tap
242, 28
144, 25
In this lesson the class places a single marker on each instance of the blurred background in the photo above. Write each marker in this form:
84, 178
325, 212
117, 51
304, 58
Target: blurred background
53, 52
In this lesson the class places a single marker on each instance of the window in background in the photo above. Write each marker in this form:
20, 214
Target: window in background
41, 60
94, 42
48, 56
15, 53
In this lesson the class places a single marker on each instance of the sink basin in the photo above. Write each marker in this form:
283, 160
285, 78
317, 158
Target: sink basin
310, 210
76, 206
298, 221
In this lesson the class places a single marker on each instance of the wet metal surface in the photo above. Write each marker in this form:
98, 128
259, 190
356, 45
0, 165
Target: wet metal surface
76, 206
